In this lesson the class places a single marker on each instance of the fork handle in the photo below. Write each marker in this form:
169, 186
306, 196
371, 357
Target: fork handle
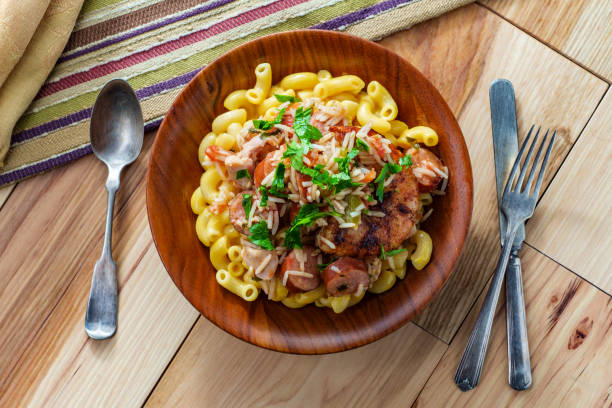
470, 367
519, 367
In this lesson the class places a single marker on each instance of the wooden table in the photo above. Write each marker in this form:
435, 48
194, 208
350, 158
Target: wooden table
559, 57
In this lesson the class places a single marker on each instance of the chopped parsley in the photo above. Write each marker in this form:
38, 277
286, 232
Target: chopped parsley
287, 98
406, 161
318, 174
370, 198
343, 163
361, 145
303, 129
264, 196
387, 170
247, 203
260, 235
384, 254
242, 174
305, 217
278, 183
267, 124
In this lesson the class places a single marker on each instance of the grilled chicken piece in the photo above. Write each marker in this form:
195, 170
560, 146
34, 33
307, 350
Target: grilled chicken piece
402, 210
427, 168
299, 283
263, 262
346, 276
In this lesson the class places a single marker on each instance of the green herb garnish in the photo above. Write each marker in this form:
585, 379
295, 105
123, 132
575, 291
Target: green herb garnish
242, 174
278, 182
406, 161
260, 235
264, 196
303, 129
247, 203
385, 254
361, 145
287, 98
305, 217
343, 163
267, 124
387, 170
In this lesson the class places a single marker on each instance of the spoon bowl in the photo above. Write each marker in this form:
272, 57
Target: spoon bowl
116, 132
117, 128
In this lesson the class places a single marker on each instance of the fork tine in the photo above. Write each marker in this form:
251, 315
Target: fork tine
517, 162
535, 163
536, 192
519, 183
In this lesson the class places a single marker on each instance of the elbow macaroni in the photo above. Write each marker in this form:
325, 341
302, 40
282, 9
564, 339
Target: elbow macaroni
365, 114
382, 98
421, 134
263, 75
424, 246
334, 86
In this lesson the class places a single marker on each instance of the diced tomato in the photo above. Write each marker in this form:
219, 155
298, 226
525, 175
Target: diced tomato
216, 153
312, 156
341, 131
370, 176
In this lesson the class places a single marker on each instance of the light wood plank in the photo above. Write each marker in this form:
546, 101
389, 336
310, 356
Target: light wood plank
227, 372
53, 228
573, 221
462, 59
568, 322
5, 192
579, 29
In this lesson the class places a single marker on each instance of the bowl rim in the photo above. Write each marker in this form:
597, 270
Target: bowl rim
340, 346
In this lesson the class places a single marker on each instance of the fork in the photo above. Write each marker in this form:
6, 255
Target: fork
518, 204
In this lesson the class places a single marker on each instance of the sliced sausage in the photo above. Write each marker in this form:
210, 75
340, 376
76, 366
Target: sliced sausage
256, 258
237, 215
426, 167
298, 283
345, 275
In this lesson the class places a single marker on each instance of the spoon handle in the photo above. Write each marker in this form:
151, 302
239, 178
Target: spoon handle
101, 316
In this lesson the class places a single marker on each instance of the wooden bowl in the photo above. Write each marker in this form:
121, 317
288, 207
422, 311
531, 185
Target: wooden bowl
174, 173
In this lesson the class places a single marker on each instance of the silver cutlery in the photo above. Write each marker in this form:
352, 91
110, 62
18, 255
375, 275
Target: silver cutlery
505, 149
116, 132
518, 204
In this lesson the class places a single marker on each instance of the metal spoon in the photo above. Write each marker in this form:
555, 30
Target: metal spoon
116, 132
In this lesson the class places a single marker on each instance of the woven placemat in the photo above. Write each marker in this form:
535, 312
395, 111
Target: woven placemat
158, 46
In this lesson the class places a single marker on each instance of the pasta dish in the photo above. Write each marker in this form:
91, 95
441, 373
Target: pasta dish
314, 192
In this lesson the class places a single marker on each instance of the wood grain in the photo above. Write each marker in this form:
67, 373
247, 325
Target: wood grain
561, 228
174, 173
387, 373
546, 94
48, 247
5, 192
568, 322
579, 29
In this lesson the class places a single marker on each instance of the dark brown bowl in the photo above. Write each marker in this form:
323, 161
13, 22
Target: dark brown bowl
174, 173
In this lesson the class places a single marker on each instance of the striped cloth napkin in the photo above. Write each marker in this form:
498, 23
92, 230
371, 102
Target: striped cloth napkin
156, 45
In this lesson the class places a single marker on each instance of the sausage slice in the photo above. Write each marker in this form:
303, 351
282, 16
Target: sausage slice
299, 283
345, 275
